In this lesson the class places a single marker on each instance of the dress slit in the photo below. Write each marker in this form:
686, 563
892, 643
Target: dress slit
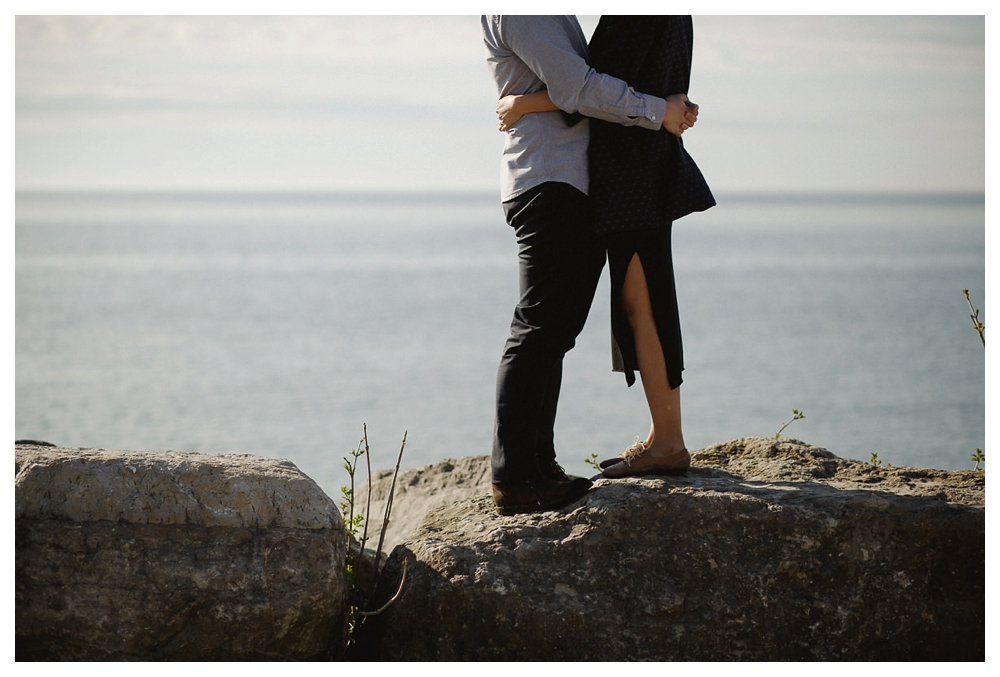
653, 248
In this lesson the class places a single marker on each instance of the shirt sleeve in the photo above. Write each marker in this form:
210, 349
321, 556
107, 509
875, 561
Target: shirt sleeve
573, 85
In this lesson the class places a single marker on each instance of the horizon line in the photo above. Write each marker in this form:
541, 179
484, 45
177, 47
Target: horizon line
420, 194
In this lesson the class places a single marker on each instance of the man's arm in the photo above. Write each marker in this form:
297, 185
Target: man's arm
681, 114
573, 86
643, 32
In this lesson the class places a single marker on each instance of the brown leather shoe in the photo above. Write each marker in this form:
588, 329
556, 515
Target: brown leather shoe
555, 471
538, 494
637, 448
634, 466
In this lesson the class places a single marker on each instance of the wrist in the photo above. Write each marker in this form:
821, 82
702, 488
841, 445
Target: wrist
659, 111
517, 104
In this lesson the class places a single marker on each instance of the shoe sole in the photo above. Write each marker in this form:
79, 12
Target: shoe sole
664, 469
648, 471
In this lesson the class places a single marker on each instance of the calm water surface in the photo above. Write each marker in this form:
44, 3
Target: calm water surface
280, 324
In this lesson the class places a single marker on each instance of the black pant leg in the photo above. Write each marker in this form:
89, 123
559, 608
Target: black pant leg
560, 264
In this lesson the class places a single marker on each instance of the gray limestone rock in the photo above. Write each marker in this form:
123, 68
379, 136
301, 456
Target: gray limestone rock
765, 550
173, 556
419, 490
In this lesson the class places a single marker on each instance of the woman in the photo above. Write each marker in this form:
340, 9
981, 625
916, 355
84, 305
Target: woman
640, 182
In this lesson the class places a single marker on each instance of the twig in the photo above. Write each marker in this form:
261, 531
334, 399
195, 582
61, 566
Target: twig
980, 327
368, 505
399, 591
392, 491
796, 415
350, 472
388, 508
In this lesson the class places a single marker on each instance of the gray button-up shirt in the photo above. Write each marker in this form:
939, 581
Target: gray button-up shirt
529, 53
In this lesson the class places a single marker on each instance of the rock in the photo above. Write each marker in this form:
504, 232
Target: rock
417, 492
173, 556
767, 550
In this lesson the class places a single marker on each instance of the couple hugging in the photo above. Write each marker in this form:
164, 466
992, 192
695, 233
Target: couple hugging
593, 170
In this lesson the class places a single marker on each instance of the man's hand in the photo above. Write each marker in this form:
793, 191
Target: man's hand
681, 114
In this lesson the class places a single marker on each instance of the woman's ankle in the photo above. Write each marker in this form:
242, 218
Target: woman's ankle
666, 449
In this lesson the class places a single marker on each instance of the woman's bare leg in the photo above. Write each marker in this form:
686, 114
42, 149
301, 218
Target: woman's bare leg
665, 435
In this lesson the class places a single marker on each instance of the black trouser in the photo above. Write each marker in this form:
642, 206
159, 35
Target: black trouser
560, 263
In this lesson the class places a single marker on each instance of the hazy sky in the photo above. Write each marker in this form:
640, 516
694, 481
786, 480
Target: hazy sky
814, 103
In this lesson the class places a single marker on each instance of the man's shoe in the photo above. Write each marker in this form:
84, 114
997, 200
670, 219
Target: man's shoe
554, 471
538, 494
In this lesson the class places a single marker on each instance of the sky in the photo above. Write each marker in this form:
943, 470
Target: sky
317, 103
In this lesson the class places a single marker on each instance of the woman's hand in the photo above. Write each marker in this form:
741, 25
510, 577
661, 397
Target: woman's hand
507, 111
513, 107
681, 114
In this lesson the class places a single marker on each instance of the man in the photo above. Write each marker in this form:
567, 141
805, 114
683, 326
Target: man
544, 193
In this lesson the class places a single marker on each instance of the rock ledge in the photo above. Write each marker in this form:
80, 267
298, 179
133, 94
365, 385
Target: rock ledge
766, 550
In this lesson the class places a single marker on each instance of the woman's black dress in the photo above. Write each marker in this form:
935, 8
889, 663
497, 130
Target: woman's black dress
640, 180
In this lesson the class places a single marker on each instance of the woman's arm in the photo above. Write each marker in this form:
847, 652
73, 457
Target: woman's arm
513, 107
681, 114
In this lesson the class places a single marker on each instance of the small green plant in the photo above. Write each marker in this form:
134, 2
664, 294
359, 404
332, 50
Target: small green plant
876, 462
980, 327
353, 523
593, 461
796, 415
978, 457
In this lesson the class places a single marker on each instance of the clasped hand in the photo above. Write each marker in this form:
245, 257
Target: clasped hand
507, 112
681, 114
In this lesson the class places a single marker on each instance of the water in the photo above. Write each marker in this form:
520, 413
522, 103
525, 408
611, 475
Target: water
279, 324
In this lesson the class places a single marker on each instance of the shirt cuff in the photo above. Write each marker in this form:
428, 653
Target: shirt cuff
656, 111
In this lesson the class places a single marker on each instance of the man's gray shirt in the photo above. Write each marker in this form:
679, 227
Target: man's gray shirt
530, 53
